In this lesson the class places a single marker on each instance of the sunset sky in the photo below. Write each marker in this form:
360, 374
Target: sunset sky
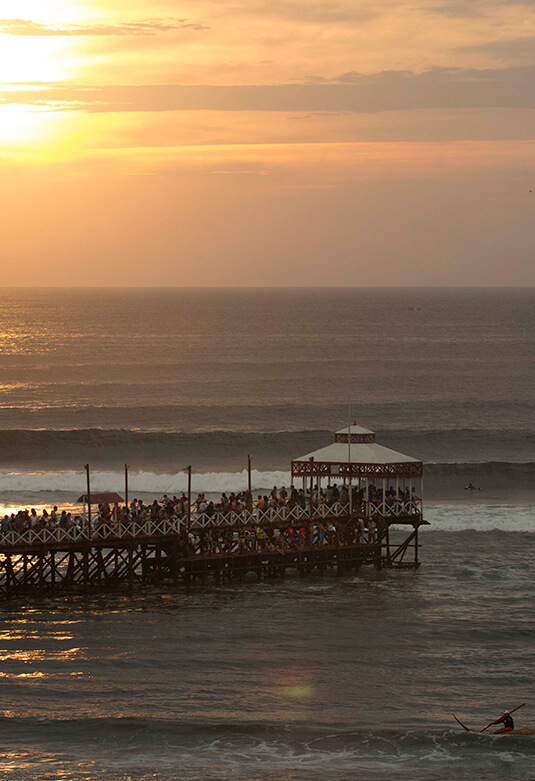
267, 142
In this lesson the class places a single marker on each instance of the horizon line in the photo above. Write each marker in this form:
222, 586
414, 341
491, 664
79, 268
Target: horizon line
268, 287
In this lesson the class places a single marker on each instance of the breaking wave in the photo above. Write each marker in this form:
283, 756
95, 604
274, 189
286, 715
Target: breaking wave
481, 517
140, 482
36, 488
247, 750
446, 481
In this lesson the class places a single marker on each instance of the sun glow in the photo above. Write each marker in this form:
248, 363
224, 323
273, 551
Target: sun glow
39, 59
35, 59
37, 9
21, 126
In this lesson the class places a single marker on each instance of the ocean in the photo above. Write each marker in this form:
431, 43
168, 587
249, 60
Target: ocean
323, 678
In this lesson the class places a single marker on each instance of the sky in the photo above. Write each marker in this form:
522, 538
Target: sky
267, 142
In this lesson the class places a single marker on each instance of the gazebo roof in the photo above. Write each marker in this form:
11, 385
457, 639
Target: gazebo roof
362, 453
363, 457
357, 434
354, 430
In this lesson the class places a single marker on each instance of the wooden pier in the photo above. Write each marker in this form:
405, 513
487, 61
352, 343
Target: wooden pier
373, 520
57, 561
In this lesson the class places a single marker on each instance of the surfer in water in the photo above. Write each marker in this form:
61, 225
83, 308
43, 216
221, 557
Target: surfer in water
508, 724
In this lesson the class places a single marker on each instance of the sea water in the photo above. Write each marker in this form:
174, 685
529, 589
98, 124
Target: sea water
321, 678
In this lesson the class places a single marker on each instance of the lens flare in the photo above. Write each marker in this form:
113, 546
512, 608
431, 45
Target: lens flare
300, 692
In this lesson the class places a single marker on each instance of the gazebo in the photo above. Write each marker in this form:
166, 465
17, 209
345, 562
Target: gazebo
389, 484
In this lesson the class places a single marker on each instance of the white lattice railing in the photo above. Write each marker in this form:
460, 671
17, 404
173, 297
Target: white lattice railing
154, 528
102, 531
36, 536
272, 516
396, 509
150, 528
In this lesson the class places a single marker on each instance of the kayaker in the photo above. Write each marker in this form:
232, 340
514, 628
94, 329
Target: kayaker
508, 724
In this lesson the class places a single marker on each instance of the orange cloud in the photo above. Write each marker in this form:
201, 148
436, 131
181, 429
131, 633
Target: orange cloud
27, 27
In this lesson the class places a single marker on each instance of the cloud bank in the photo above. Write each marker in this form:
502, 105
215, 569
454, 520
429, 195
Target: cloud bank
512, 88
144, 27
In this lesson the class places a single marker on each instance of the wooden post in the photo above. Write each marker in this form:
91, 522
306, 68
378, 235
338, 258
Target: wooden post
422, 495
126, 467
41, 573
188, 468
311, 483
85, 565
387, 539
88, 500
130, 567
249, 480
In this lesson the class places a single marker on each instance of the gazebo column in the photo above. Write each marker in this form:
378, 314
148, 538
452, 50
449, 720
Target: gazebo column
422, 493
383, 503
311, 483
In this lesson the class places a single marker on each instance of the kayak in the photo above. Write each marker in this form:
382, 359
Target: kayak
523, 731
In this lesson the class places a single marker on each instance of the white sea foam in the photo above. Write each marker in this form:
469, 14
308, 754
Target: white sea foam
140, 482
481, 517
25, 488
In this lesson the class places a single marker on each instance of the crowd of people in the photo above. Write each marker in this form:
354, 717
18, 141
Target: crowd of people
277, 499
24, 520
277, 520
274, 538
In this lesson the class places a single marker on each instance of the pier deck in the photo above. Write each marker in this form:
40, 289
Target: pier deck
59, 561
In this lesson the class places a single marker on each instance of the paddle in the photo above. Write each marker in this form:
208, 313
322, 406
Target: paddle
496, 720
462, 725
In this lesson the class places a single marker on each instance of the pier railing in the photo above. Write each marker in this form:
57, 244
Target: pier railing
272, 516
99, 532
281, 515
114, 531
397, 509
